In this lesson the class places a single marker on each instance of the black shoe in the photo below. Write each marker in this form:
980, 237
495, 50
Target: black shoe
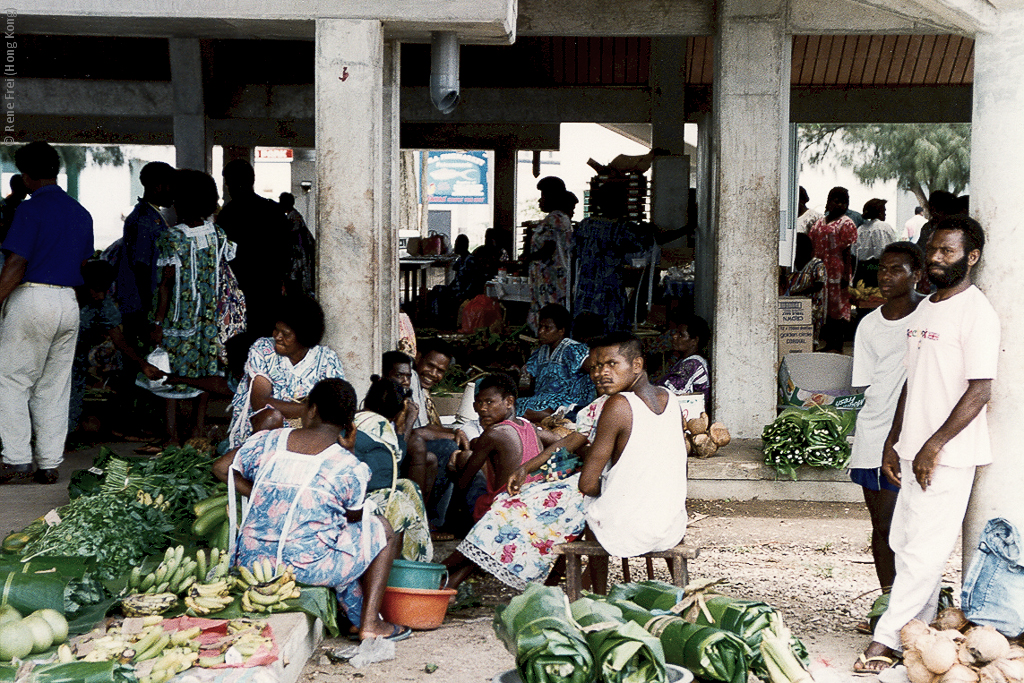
15, 474
46, 476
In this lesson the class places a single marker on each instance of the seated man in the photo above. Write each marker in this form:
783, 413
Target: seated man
430, 444
513, 536
556, 367
634, 476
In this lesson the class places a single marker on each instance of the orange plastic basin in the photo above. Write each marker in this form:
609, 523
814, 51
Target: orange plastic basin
418, 608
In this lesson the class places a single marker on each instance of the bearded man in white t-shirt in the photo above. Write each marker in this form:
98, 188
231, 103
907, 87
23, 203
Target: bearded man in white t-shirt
939, 434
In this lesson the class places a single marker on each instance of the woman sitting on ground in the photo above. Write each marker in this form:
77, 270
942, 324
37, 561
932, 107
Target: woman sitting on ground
306, 493
690, 375
377, 445
281, 370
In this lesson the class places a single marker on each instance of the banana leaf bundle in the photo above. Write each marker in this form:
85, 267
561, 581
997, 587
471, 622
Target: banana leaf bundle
649, 594
708, 652
548, 645
747, 619
623, 650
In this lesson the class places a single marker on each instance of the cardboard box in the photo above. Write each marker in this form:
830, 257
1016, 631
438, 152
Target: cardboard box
795, 310
807, 379
795, 339
691, 405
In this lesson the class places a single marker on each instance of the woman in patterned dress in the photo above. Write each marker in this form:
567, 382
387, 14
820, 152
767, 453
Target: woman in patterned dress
833, 235
307, 495
281, 370
550, 254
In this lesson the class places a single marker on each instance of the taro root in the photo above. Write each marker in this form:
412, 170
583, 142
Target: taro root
704, 446
983, 644
719, 434
938, 652
950, 618
958, 673
698, 425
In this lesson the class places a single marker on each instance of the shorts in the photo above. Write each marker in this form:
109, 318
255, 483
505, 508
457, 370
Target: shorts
872, 479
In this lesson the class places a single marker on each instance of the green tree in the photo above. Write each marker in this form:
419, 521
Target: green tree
920, 157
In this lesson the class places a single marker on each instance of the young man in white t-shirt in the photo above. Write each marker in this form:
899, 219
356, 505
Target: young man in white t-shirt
879, 352
939, 434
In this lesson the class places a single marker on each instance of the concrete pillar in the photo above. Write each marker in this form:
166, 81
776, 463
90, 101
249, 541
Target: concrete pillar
505, 165
668, 93
998, 126
356, 154
707, 200
191, 148
752, 53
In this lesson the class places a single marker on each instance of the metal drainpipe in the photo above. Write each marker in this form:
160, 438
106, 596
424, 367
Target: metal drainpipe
444, 70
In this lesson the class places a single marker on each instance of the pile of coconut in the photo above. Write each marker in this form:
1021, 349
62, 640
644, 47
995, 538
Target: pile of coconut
957, 652
703, 439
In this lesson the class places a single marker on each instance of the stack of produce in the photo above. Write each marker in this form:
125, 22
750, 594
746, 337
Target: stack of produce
982, 654
539, 630
705, 439
266, 588
38, 632
814, 437
212, 522
623, 650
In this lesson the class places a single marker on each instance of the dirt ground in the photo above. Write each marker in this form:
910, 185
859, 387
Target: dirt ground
811, 561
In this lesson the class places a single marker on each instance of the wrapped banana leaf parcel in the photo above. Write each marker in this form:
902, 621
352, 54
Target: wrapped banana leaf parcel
623, 650
649, 594
708, 652
548, 645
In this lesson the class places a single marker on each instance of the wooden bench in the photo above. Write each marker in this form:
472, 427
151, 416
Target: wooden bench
676, 558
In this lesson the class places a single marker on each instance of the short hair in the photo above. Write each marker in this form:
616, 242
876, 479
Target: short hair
913, 253
38, 160
240, 172
696, 326
627, 342
305, 316
501, 381
436, 345
942, 201
195, 194
918, 210
335, 402
551, 185
98, 274
973, 234
873, 208
18, 184
384, 397
566, 202
804, 198
392, 358
286, 199
840, 193
558, 314
156, 173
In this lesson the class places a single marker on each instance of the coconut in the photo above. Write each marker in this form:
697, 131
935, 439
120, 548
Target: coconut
698, 425
719, 434
42, 634
937, 652
704, 446
958, 673
8, 613
917, 672
15, 641
950, 618
983, 644
1016, 652
58, 624
954, 635
1011, 669
910, 633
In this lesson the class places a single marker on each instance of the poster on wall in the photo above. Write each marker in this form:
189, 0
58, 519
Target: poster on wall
457, 177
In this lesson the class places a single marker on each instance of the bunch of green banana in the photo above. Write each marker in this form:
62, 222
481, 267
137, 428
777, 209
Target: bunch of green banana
147, 604
212, 521
214, 569
266, 587
171, 663
174, 575
207, 598
147, 499
249, 643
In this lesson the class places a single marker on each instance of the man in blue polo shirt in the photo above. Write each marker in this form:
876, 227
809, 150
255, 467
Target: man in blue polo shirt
50, 237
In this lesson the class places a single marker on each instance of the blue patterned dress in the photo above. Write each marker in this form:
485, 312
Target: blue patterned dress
559, 379
600, 246
297, 514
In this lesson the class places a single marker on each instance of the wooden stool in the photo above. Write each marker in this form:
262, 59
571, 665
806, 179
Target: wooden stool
676, 558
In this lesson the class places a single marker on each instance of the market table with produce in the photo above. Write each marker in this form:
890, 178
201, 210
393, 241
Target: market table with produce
132, 581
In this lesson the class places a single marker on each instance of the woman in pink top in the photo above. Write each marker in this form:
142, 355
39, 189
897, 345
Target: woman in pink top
832, 235
513, 536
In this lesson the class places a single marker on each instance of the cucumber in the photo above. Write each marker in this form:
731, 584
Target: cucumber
204, 506
208, 522
223, 536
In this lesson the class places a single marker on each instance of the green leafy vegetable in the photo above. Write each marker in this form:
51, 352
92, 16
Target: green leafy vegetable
624, 651
814, 437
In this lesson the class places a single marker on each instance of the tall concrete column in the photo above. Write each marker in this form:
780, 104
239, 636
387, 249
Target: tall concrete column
191, 149
998, 126
356, 156
752, 53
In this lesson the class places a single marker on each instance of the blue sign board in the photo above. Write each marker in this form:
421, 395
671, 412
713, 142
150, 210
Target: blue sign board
457, 177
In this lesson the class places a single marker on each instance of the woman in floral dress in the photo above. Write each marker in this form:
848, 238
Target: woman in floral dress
550, 254
307, 495
833, 235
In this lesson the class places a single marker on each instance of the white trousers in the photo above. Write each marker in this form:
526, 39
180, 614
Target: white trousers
925, 528
38, 331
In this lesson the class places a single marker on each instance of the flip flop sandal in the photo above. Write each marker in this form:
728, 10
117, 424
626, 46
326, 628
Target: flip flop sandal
863, 627
864, 661
399, 633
